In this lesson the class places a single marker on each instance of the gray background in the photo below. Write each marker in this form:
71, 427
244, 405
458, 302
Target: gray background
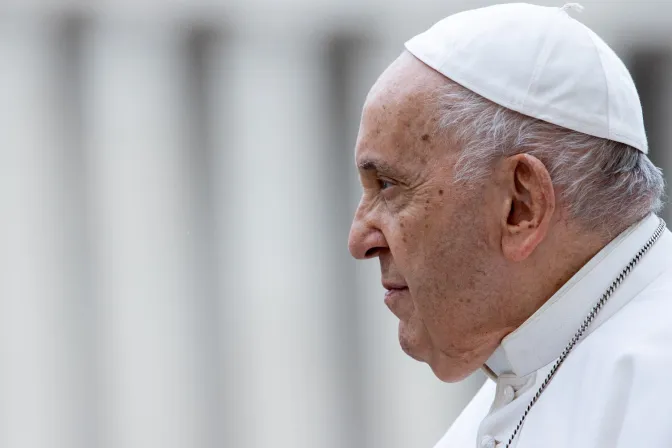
176, 189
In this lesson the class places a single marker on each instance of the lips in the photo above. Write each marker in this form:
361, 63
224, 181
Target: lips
394, 301
393, 292
393, 285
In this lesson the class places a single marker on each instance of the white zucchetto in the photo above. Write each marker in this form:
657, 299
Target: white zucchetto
541, 62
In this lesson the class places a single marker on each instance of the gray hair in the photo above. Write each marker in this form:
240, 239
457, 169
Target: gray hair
605, 185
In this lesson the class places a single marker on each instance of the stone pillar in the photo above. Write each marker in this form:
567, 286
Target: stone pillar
277, 266
42, 394
145, 235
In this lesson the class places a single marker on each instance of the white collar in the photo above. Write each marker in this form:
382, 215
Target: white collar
542, 337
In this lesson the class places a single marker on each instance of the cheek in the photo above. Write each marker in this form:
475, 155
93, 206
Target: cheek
447, 283
454, 302
446, 265
434, 247
409, 232
446, 317
431, 225
449, 246
402, 237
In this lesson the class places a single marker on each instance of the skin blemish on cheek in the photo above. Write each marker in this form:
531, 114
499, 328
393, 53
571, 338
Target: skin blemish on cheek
425, 138
403, 239
440, 192
401, 225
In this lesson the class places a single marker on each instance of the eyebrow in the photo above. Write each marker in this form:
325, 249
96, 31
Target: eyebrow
376, 165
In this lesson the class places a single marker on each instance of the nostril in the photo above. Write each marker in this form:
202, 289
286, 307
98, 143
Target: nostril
371, 252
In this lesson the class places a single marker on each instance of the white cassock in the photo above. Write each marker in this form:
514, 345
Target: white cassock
613, 390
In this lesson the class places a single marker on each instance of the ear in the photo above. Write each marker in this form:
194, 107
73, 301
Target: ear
528, 208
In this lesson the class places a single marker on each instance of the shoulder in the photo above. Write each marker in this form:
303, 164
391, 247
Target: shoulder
618, 375
635, 315
619, 392
642, 324
638, 333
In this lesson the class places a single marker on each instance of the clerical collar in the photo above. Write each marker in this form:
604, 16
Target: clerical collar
542, 337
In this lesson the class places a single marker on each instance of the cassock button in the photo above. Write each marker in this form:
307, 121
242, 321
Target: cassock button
509, 394
488, 442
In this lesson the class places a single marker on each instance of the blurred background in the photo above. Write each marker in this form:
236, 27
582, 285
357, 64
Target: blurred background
176, 189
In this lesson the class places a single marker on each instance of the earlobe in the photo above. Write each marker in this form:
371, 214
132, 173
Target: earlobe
531, 204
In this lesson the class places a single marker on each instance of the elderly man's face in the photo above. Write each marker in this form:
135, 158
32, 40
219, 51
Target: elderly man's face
437, 256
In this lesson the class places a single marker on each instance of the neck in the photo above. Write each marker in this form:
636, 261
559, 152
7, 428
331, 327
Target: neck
553, 264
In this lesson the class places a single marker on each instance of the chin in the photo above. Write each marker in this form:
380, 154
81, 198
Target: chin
441, 368
412, 353
447, 371
413, 344
449, 377
416, 343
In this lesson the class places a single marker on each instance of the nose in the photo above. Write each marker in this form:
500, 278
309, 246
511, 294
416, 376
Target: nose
365, 240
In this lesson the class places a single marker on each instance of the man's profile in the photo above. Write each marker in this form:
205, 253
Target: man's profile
509, 198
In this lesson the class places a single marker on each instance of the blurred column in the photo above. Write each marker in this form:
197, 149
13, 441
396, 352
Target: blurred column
406, 405
651, 68
144, 233
41, 390
663, 152
269, 91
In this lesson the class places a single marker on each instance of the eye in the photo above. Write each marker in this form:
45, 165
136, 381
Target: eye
384, 184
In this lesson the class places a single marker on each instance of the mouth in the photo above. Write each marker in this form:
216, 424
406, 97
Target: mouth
393, 300
392, 291
390, 286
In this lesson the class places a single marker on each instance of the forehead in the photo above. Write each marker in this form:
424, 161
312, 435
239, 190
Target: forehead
399, 121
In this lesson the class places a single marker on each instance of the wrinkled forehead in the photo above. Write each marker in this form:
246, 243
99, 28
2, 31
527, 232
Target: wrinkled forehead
405, 82
400, 117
